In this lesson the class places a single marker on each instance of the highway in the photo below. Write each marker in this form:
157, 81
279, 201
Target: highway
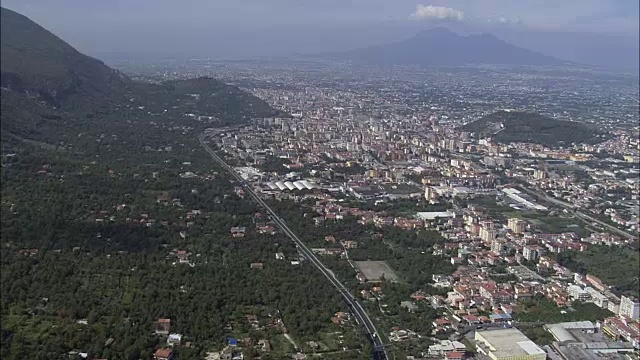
571, 207
379, 352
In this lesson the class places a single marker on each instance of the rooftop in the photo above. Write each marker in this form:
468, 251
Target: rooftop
431, 215
505, 343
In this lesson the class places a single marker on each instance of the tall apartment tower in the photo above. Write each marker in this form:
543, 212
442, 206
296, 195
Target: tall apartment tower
517, 226
497, 246
430, 194
629, 307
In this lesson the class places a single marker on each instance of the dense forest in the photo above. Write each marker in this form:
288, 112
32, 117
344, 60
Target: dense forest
85, 241
112, 217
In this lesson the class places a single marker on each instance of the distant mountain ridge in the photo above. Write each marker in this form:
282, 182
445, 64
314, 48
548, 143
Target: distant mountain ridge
513, 126
48, 87
35, 60
440, 46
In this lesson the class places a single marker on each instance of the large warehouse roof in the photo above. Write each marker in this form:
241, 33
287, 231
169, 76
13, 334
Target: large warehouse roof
509, 344
272, 186
298, 185
307, 184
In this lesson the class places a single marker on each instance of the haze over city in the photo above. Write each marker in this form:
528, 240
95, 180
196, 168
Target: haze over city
340, 180
599, 32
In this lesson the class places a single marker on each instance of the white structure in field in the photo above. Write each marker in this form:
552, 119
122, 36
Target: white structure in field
507, 344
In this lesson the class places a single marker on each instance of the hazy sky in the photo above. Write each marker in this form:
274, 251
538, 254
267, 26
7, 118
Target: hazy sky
620, 16
243, 27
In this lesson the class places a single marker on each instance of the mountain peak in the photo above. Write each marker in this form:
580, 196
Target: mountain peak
44, 80
440, 46
486, 37
36, 61
438, 31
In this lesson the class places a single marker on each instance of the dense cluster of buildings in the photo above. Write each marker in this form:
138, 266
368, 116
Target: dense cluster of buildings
380, 136
364, 145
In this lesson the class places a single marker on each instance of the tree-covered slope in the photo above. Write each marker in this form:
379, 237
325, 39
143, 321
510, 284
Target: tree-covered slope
40, 73
513, 126
35, 60
88, 252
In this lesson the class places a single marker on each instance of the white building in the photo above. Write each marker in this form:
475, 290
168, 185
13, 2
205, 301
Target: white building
598, 298
174, 339
629, 307
446, 346
497, 246
487, 232
531, 252
430, 194
578, 293
507, 344
517, 226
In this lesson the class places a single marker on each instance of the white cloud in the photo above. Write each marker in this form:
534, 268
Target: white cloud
426, 12
505, 21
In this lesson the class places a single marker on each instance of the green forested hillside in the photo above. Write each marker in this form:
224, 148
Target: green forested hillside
616, 267
37, 61
81, 242
103, 184
41, 71
513, 126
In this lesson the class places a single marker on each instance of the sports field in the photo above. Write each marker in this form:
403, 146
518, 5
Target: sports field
374, 270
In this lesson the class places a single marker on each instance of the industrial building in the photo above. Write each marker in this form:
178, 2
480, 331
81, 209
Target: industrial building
290, 185
507, 344
562, 331
522, 199
581, 340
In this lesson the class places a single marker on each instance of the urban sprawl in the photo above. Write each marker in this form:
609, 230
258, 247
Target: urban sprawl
528, 229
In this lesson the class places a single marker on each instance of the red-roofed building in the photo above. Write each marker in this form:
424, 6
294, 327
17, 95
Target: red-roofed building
622, 328
163, 326
418, 296
596, 283
163, 354
454, 355
471, 319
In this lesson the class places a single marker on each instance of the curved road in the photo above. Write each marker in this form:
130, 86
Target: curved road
379, 353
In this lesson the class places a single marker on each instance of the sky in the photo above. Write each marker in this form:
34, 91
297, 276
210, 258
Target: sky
240, 28
605, 16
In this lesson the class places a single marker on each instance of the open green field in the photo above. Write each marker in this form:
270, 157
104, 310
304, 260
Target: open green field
615, 266
281, 345
376, 270
540, 309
